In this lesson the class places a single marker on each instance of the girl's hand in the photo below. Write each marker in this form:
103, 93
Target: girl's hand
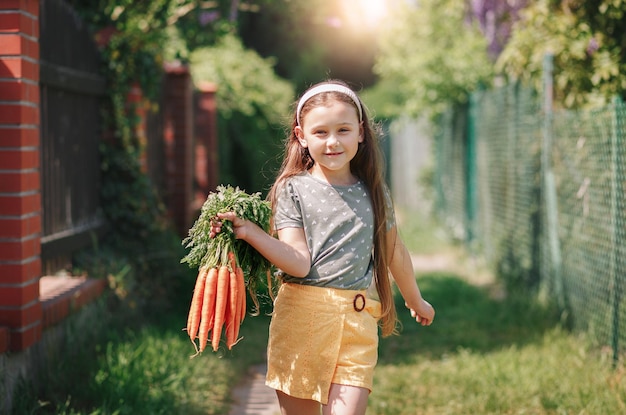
239, 224
289, 252
424, 313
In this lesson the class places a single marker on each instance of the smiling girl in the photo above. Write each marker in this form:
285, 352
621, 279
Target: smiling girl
337, 246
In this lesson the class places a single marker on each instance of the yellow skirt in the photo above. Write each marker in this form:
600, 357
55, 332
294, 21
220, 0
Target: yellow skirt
320, 336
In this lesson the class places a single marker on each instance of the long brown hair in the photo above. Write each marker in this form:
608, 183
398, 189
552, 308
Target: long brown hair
367, 165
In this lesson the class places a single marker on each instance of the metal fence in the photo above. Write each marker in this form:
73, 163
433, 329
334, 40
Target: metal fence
71, 89
540, 194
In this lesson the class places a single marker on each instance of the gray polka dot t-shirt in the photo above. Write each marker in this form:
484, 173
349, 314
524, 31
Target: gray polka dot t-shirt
338, 223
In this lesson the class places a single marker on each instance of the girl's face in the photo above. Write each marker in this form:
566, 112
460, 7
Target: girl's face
332, 134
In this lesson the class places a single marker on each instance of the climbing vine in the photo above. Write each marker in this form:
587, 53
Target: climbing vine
131, 37
135, 38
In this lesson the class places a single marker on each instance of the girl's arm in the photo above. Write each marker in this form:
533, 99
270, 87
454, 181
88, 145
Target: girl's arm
289, 252
401, 268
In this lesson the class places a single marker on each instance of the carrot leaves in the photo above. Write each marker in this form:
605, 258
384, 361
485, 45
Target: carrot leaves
205, 251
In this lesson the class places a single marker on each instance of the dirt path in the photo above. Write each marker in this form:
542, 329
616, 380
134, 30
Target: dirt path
252, 397
470, 269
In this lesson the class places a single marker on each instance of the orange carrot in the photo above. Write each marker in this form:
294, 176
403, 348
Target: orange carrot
208, 308
232, 328
233, 320
242, 294
221, 300
229, 327
241, 303
193, 319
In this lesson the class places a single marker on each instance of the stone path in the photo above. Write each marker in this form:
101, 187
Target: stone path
252, 397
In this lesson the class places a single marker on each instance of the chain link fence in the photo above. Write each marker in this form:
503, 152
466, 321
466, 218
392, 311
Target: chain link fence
540, 194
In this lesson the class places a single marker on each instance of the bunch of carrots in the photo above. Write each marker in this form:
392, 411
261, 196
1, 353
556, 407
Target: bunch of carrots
226, 268
219, 301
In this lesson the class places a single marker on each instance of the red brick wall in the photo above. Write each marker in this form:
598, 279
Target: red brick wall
20, 201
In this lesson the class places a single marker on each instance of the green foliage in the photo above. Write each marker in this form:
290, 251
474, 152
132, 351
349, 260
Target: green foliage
246, 82
252, 104
203, 24
132, 36
140, 253
131, 205
588, 44
431, 57
213, 252
144, 274
384, 99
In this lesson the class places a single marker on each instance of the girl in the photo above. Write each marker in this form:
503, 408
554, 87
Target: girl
337, 238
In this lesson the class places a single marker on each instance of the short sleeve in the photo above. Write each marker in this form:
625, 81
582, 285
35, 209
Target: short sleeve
287, 212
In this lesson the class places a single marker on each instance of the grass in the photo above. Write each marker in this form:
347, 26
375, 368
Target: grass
145, 370
486, 353
492, 356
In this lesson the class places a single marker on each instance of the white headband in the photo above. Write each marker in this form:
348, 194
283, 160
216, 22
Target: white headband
328, 87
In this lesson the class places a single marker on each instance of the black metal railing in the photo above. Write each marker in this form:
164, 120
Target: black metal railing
71, 129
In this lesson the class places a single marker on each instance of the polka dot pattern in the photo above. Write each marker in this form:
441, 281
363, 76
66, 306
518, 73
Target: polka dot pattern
338, 222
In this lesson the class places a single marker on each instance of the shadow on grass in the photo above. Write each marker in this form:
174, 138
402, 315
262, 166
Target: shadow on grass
467, 317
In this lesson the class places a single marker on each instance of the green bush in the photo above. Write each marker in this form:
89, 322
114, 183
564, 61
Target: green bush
253, 106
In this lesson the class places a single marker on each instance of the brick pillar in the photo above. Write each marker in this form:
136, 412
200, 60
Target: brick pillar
20, 196
178, 143
206, 157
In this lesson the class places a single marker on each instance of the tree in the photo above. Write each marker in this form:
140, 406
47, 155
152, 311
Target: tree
496, 19
313, 40
431, 56
588, 43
